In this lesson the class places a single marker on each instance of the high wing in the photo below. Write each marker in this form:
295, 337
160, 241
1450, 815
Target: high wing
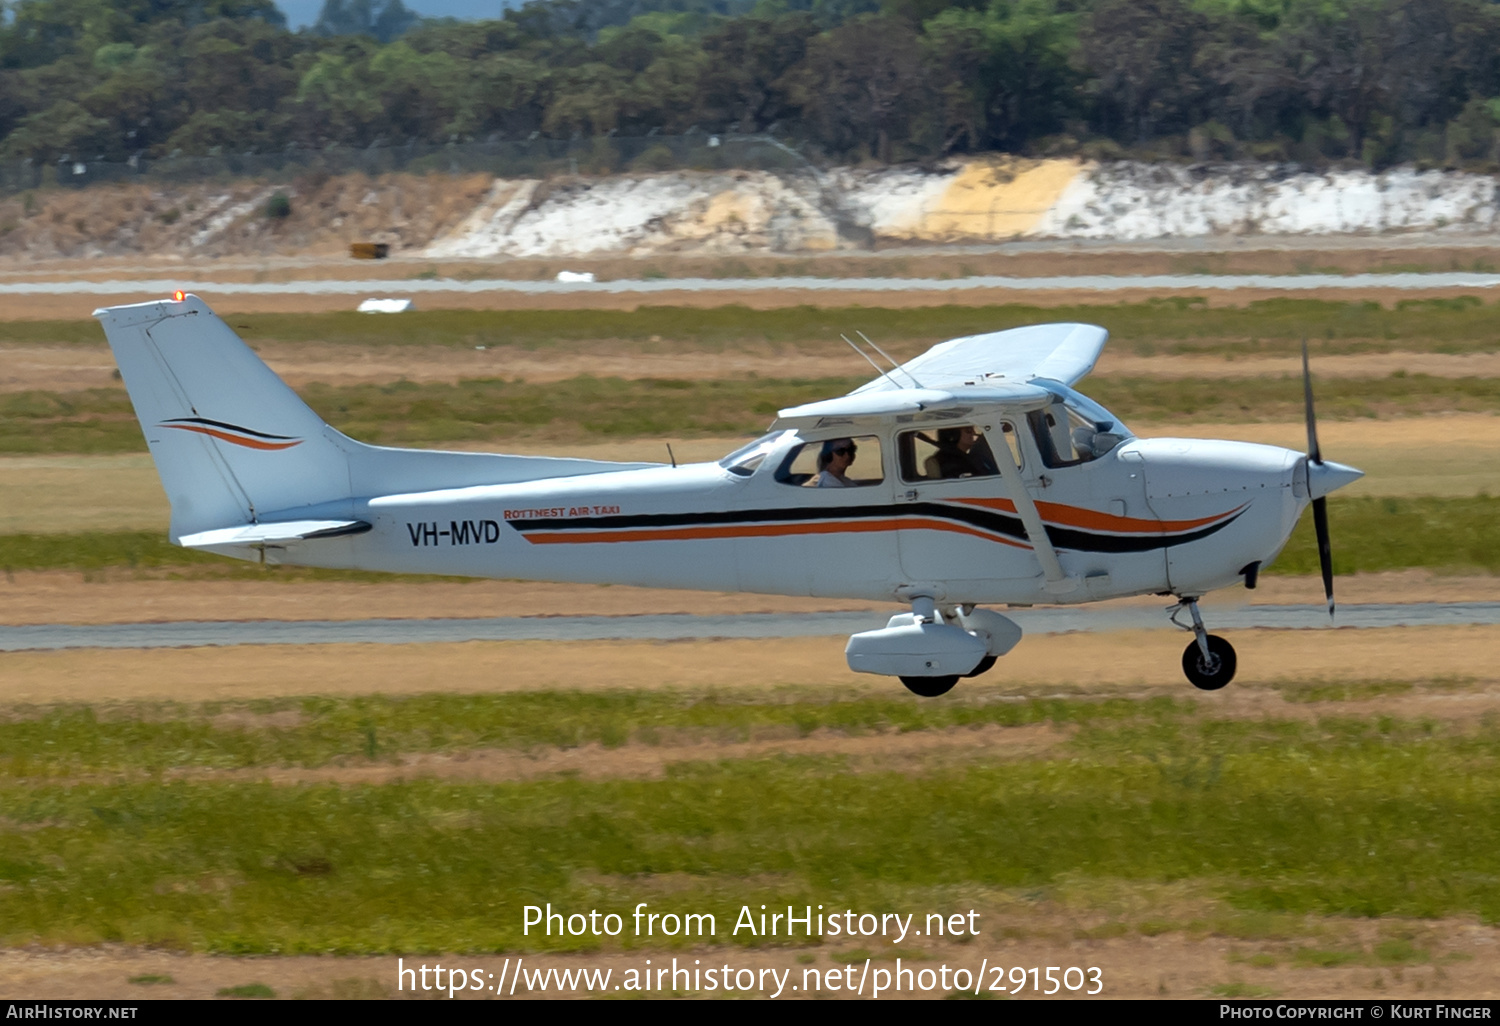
990, 370
1059, 352
898, 402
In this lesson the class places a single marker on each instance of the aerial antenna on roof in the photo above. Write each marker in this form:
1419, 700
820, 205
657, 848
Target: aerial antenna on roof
879, 369
893, 363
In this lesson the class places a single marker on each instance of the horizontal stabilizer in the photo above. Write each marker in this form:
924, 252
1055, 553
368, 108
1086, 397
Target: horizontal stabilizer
274, 534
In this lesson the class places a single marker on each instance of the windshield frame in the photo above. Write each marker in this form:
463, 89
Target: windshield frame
1095, 413
757, 450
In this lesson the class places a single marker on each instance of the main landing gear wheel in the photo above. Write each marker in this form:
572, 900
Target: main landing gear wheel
1212, 673
985, 666
930, 687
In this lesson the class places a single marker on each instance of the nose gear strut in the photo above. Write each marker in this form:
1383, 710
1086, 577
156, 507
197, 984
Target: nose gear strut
1209, 660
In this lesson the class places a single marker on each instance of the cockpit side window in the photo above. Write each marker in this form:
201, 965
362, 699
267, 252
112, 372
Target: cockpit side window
834, 463
945, 453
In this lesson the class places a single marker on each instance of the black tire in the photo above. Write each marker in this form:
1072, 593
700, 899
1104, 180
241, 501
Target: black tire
930, 687
985, 666
1203, 676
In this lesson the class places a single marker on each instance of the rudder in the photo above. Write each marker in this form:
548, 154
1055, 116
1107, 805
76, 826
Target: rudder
231, 441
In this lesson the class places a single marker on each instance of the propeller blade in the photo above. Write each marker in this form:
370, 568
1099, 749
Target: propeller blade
1320, 503
1313, 452
1325, 550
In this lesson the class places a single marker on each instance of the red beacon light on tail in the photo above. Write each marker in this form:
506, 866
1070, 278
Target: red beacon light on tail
179, 296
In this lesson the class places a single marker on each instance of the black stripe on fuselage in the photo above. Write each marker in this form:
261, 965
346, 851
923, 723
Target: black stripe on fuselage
230, 427
1007, 524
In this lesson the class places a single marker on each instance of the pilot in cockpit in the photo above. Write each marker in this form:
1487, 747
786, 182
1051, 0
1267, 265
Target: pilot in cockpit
961, 452
834, 462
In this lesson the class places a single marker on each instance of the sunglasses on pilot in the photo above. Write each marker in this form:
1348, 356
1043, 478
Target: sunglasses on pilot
845, 450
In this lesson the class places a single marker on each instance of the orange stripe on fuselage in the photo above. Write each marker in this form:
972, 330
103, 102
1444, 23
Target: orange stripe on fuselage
248, 443
1075, 516
762, 531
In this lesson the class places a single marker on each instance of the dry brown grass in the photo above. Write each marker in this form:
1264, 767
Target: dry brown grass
1125, 663
80, 493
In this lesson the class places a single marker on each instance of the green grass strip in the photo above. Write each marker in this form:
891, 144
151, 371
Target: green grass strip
1406, 829
71, 739
1161, 326
98, 550
589, 409
95, 420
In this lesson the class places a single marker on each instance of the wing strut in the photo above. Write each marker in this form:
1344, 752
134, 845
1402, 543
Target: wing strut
1036, 531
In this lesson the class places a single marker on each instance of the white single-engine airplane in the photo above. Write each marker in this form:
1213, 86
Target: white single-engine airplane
971, 475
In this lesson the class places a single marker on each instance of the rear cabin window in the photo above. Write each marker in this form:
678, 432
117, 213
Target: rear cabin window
817, 464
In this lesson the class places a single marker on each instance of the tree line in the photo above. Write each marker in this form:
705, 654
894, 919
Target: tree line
1310, 81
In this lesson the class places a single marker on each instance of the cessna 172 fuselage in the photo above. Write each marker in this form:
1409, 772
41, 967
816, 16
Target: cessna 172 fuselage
1051, 500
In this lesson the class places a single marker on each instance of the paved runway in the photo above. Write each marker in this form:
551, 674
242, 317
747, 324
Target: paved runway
1084, 283
192, 634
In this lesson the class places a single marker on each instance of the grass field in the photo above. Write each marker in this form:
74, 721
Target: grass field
1159, 327
1340, 816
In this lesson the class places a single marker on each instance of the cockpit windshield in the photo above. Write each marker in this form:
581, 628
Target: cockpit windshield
744, 460
1074, 429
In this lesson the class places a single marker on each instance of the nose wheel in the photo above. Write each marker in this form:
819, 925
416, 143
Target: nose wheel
1208, 662
1212, 671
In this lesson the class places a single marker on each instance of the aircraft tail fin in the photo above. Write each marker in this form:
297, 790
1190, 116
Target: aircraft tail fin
230, 439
